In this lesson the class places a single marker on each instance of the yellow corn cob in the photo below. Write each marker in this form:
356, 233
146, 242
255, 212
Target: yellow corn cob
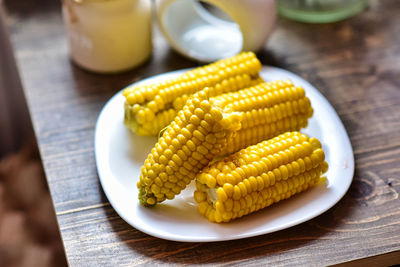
259, 176
198, 133
150, 108
268, 109
284, 108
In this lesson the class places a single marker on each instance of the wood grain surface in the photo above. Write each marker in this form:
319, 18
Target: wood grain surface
354, 63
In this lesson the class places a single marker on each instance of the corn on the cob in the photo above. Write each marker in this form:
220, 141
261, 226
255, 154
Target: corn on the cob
263, 111
268, 109
150, 108
198, 133
258, 176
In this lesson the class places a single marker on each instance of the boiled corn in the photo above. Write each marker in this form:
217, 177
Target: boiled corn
268, 109
150, 108
193, 139
198, 133
258, 176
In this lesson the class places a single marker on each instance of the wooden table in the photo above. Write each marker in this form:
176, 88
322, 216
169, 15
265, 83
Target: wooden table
354, 63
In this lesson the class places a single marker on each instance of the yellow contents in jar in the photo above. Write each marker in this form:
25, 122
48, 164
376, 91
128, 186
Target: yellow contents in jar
108, 35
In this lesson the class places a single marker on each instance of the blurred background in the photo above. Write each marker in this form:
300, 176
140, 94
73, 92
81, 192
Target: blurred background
29, 234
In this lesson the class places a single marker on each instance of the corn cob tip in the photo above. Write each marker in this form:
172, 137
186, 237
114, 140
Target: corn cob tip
144, 199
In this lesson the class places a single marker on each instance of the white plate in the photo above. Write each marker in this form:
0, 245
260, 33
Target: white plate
120, 154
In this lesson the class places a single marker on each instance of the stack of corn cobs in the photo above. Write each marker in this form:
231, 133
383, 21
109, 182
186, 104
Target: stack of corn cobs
233, 133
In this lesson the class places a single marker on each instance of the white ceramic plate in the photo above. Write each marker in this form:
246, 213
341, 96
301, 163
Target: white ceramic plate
120, 154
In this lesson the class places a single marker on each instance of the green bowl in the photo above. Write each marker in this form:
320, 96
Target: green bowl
320, 11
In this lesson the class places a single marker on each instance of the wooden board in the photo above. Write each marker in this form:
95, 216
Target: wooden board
354, 63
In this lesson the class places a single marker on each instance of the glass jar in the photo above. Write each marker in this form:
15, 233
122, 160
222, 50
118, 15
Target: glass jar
320, 11
108, 35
